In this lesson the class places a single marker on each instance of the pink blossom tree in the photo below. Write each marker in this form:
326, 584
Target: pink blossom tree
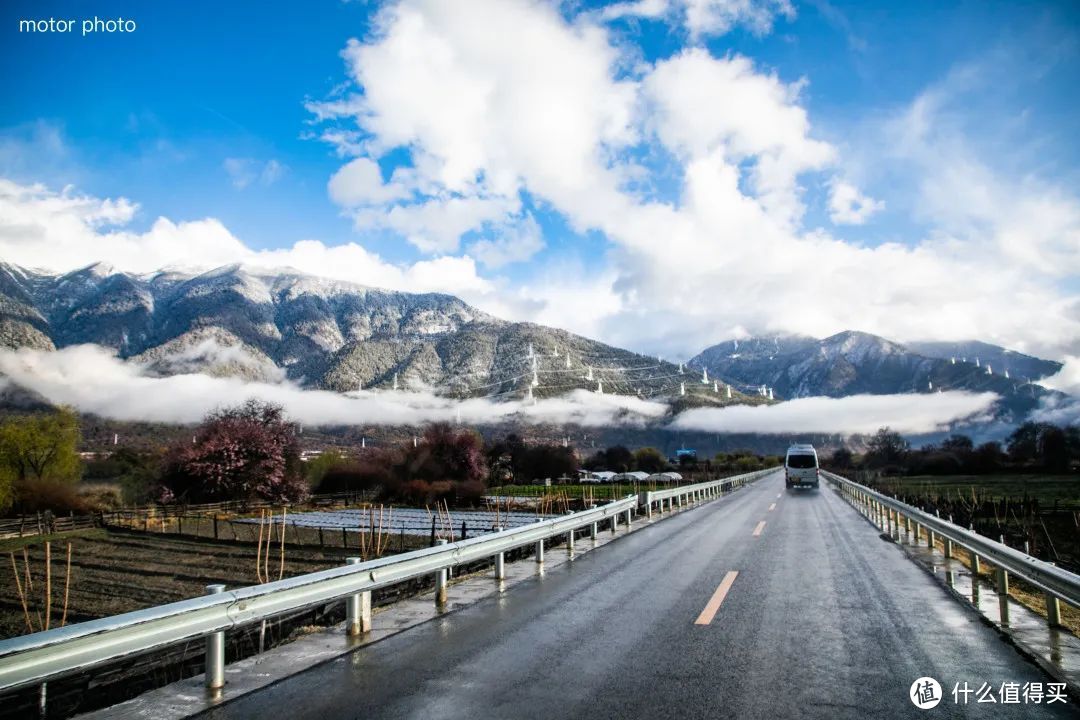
249, 452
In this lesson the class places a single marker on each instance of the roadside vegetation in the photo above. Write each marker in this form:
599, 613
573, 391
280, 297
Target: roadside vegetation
1025, 490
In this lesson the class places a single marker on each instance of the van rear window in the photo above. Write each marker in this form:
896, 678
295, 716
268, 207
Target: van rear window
800, 462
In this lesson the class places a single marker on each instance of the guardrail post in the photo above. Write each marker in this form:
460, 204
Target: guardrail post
975, 567
357, 608
500, 561
948, 548
539, 552
440, 582
570, 542
614, 523
629, 518
215, 650
592, 531
1053, 610
918, 532
929, 538
1003, 595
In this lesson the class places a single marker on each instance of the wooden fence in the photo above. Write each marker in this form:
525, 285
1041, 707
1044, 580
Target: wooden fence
159, 515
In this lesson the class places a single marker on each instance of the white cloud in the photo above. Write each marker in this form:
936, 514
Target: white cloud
542, 105
716, 17
63, 231
436, 225
360, 182
722, 108
499, 105
864, 414
1056, 409
245, 171
703, 18
848, 206
636, 8
93, 380
1066, 380
514, 244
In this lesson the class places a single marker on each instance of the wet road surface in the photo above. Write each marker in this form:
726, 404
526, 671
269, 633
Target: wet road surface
764, 604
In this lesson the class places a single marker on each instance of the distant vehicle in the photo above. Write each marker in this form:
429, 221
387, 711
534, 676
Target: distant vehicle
801, 467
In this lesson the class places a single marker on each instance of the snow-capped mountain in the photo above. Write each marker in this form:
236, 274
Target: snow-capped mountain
264, 325
851, 363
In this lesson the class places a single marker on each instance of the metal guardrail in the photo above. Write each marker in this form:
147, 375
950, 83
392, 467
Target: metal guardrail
39, 657
679, 496
1056, 583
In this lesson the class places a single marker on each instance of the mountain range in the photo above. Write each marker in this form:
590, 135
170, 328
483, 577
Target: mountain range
851, 363
267, 326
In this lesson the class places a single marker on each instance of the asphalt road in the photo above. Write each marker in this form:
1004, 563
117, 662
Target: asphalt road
823, 619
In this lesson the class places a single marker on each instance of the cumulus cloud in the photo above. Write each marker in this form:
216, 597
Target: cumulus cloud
94, 380
62, 231
863, 414
514, 244
543, 105
501, 105
848, 206
716, 17
359, 182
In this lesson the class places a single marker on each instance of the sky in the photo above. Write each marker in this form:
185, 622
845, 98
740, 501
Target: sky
658, 174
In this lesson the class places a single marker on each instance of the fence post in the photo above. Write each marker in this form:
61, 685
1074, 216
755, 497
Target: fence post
215, 650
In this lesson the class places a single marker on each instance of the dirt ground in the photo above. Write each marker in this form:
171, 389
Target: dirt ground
114, 572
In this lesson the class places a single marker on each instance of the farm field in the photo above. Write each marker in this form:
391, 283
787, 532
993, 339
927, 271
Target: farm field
1042, 511
1047, 489
116, 572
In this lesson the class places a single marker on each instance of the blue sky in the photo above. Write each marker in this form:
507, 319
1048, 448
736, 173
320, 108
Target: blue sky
953, 122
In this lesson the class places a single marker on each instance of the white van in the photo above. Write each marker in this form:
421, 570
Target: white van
801, 467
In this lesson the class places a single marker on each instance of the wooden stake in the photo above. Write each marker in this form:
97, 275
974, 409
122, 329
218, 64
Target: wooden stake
22, 595
281, 570
29, 578
258, 550
266, 552
67, 585
48, 583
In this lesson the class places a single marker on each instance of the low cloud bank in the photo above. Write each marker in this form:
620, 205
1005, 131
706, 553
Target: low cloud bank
1058, 410
909, 414
1067, 379
94, 380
